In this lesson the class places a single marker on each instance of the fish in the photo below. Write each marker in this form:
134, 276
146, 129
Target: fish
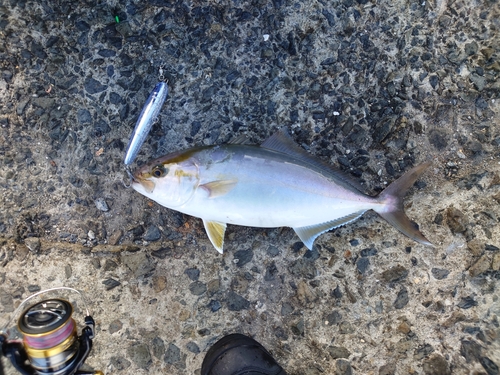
144, 123
275, 184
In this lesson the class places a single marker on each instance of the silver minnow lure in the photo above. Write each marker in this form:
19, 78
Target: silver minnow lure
145, 121
276, 184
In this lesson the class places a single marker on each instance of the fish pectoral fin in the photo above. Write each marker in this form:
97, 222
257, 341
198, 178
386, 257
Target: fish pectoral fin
215, 231
310, 233
219, 188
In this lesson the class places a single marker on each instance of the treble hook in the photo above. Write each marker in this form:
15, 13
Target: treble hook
130, 176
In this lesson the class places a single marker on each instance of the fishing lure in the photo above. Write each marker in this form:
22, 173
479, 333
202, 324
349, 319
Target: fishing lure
145, 121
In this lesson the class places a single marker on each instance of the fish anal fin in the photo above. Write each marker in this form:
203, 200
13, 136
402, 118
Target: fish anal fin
219, 188
309, 233
215, 231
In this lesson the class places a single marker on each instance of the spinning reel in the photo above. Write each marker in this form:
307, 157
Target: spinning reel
45, 341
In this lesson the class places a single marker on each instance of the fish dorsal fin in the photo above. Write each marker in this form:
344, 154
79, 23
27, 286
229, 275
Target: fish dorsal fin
282, 142
241, 139
219, 188
310, 233
215, 231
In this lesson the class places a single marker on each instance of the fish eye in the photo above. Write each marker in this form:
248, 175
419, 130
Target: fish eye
159, 171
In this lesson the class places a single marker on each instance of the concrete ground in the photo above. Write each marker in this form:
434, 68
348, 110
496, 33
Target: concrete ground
372, 87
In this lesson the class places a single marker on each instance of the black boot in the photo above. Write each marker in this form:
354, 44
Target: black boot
238, 354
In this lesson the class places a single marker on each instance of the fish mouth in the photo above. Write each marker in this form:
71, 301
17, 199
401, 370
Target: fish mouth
147, 184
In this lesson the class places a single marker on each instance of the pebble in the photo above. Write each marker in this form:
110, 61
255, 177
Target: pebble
362, 264
68, 271
436, 365
336, 293
495, 262
273, 251
286, 308
236, 302
193, 347
388, 369
439, 273
101, 204
303, 268
394, 274
478, 81
467, 303
402, 299
214, 305
115, 326
346, 328
33, 244
482, 265
111, 283
489, 247
298, 328
83, 116
115, 237
470, 350
152, 234
213, 286
6, 302
343, 367
34, 288
159, 283
192, 273
404, 327
109, 265
338, 352
120, 363
368, 252
242, 257
476, 247
158, 347
456, 220
172, 355
197, 288
162, 253
333, 318
490, 366
423, 351
139, 354
93, 86
271, 272
139, 263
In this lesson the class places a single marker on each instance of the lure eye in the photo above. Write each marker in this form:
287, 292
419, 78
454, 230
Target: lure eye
159, 171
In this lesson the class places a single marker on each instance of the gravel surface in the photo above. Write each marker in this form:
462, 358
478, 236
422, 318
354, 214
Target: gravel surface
371, 87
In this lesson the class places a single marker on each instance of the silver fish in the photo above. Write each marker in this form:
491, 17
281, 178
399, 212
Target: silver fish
272, 185
143, 125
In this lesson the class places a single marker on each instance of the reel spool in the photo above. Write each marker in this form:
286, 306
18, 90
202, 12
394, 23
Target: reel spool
50, 345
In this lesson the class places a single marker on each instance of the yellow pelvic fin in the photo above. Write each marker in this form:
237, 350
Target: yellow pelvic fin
215, 231
219, 188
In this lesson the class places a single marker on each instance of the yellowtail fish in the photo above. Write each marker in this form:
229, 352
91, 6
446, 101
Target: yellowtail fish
276, 184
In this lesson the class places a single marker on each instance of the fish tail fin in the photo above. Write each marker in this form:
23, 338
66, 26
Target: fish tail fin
393, 211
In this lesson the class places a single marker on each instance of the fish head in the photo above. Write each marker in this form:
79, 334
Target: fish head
170, 183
